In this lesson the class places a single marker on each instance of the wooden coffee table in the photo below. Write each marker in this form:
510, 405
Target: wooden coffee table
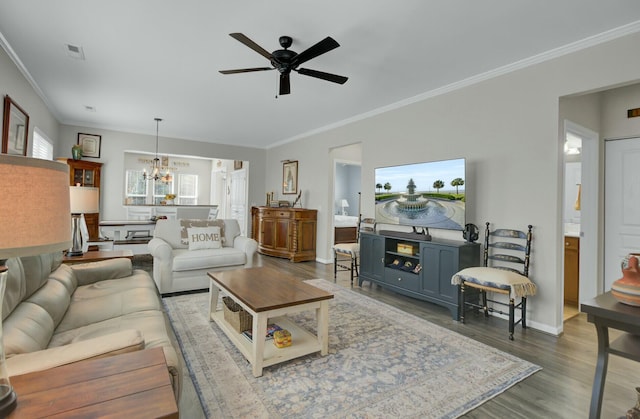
269, 295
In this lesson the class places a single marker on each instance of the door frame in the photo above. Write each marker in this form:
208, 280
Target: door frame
591, 281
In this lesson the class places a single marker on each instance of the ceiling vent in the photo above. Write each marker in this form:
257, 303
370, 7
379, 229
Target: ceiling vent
75, 51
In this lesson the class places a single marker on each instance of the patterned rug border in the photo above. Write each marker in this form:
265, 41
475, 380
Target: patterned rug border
493, 390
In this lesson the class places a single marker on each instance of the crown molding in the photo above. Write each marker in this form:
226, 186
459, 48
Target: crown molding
509, 68
25, 73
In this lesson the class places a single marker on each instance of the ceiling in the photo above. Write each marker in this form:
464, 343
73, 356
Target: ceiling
160, 58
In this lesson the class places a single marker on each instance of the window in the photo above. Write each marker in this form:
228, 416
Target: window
160, 190
187, 189
42, 147
136, 187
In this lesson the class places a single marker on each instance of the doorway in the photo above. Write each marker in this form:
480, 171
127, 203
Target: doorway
580, 217
346, 166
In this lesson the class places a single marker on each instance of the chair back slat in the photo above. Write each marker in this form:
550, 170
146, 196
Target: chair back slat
519, 250
514, 234
506, 258
509, 245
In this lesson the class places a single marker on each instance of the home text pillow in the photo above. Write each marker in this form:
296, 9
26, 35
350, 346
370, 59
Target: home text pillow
204, 238
186, 223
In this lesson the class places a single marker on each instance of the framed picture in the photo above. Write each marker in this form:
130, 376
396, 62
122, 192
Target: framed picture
90, 144
15, 128
290, 177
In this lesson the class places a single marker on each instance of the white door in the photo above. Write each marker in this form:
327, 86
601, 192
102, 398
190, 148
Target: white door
622, 205
238, 198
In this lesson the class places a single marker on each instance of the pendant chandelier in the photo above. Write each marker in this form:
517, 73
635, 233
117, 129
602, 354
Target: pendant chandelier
156, 167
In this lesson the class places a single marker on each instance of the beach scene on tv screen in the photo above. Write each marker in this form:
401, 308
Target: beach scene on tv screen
430, 194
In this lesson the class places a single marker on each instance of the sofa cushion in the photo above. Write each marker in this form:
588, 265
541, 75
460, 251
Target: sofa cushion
188, 260
186, 224
171, 232
151, 325
138, 279
28, 329
231, 231
85, 310
204, 238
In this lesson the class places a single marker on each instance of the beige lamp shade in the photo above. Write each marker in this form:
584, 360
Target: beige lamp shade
344, 203
84, 200
34, 206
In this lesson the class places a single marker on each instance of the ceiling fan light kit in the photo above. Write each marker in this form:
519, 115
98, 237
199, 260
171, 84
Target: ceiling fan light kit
285, 60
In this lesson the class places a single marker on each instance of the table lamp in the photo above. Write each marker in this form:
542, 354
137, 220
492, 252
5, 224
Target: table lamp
344, 204
34, 211
82, 200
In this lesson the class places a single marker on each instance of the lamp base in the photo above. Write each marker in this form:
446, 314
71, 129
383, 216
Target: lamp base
75, 253
8, 402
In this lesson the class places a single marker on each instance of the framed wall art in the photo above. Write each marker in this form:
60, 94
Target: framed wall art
290, 177
15, 131
90, 144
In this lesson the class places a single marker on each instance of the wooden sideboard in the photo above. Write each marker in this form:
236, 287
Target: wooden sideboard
285, 232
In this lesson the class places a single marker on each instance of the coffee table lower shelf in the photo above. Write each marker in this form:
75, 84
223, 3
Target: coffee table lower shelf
303, 342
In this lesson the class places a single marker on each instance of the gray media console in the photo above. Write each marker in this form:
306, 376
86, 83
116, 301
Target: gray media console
392, 263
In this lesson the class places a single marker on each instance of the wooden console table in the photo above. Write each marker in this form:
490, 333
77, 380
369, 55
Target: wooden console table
98, 255
606, 312
131, 385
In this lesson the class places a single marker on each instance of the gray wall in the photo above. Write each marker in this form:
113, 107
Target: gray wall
507, 128
13, 83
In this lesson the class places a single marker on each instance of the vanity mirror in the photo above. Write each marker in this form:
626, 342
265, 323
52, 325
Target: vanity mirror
15, 128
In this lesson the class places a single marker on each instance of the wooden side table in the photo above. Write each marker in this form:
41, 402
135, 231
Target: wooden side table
98, 255
606, 312
132, 385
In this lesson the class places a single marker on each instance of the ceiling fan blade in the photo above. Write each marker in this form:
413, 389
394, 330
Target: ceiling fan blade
285, 85
322, 75
246, 70
326, 45
248, 42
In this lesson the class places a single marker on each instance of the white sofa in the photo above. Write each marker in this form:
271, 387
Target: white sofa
178, 269
55, 314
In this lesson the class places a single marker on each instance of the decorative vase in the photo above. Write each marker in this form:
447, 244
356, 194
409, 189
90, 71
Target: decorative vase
634, 412
627, 289
76, 152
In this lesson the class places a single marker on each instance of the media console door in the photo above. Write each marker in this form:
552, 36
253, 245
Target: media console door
382, 263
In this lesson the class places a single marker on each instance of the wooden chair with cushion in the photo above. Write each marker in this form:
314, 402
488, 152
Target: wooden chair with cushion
348, 253
505, 271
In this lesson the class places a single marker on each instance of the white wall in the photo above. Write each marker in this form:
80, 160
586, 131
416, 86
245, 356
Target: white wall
506, 127
178, 164
115, 143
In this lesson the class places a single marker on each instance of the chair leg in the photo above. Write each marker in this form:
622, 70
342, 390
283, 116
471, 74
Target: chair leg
523, 306
351, 270
461, 302
511, 317
335, 265
485, 307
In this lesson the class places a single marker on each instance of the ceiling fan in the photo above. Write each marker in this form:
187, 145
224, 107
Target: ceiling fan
284, 60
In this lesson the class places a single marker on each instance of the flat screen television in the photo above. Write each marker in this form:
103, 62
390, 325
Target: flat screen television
429, 194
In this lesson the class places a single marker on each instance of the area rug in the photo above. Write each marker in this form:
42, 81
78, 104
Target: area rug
382, 362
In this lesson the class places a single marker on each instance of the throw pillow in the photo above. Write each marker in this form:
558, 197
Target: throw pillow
186, 223
204, 238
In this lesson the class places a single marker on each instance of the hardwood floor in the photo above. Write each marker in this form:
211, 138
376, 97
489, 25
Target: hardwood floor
561, 390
